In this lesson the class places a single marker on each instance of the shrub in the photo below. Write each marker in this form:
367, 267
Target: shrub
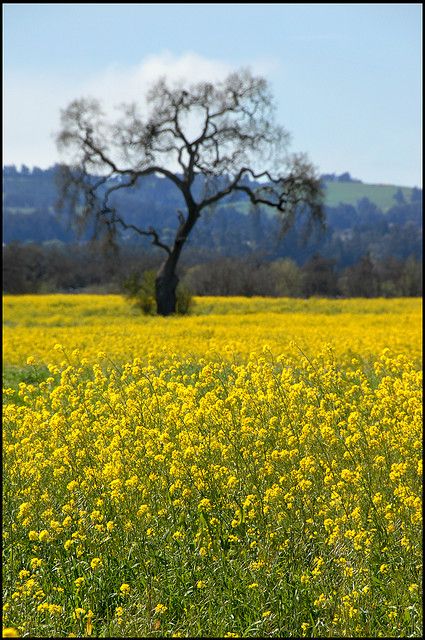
141, 291
184, 301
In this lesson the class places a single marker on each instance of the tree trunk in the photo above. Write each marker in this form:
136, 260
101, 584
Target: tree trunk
165, 288
166, 280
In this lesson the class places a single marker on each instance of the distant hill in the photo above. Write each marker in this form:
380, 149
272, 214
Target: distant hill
380, 220
338, 189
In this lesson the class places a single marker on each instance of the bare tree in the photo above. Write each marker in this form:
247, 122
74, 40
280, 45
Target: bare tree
209, 140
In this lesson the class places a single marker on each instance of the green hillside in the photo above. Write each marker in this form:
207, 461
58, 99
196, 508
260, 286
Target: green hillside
382, 195
350, 192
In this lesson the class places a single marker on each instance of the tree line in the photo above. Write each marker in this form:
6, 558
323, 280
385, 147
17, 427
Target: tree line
352, 231
60, 268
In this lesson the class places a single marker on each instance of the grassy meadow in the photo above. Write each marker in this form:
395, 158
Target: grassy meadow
350, 193
251, 470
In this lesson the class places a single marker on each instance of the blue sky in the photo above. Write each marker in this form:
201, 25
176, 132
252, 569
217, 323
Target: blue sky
347, 78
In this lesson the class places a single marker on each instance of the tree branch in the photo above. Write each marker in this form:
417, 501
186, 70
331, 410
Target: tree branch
148, 232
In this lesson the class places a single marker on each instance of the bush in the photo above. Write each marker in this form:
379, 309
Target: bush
184, 302
141, 291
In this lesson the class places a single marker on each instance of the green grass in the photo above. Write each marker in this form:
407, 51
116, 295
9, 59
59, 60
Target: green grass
13, 375
350, 192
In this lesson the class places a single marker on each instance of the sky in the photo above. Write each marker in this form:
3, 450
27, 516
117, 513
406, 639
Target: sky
346, 78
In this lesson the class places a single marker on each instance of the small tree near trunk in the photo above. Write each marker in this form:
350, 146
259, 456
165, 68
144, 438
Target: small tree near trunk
209, 140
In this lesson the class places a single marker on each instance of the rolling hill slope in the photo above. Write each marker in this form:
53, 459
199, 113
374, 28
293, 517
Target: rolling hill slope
351, 192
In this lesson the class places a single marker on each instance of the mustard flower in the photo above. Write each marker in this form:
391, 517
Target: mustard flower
95, 563
160, 608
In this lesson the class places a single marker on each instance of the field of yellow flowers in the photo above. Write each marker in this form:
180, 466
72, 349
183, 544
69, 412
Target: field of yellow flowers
253, 469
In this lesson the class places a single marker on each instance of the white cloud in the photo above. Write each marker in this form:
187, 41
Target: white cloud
116, 84
32, 104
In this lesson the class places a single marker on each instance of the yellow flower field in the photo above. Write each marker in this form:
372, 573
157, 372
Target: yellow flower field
226, 327
252, 470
